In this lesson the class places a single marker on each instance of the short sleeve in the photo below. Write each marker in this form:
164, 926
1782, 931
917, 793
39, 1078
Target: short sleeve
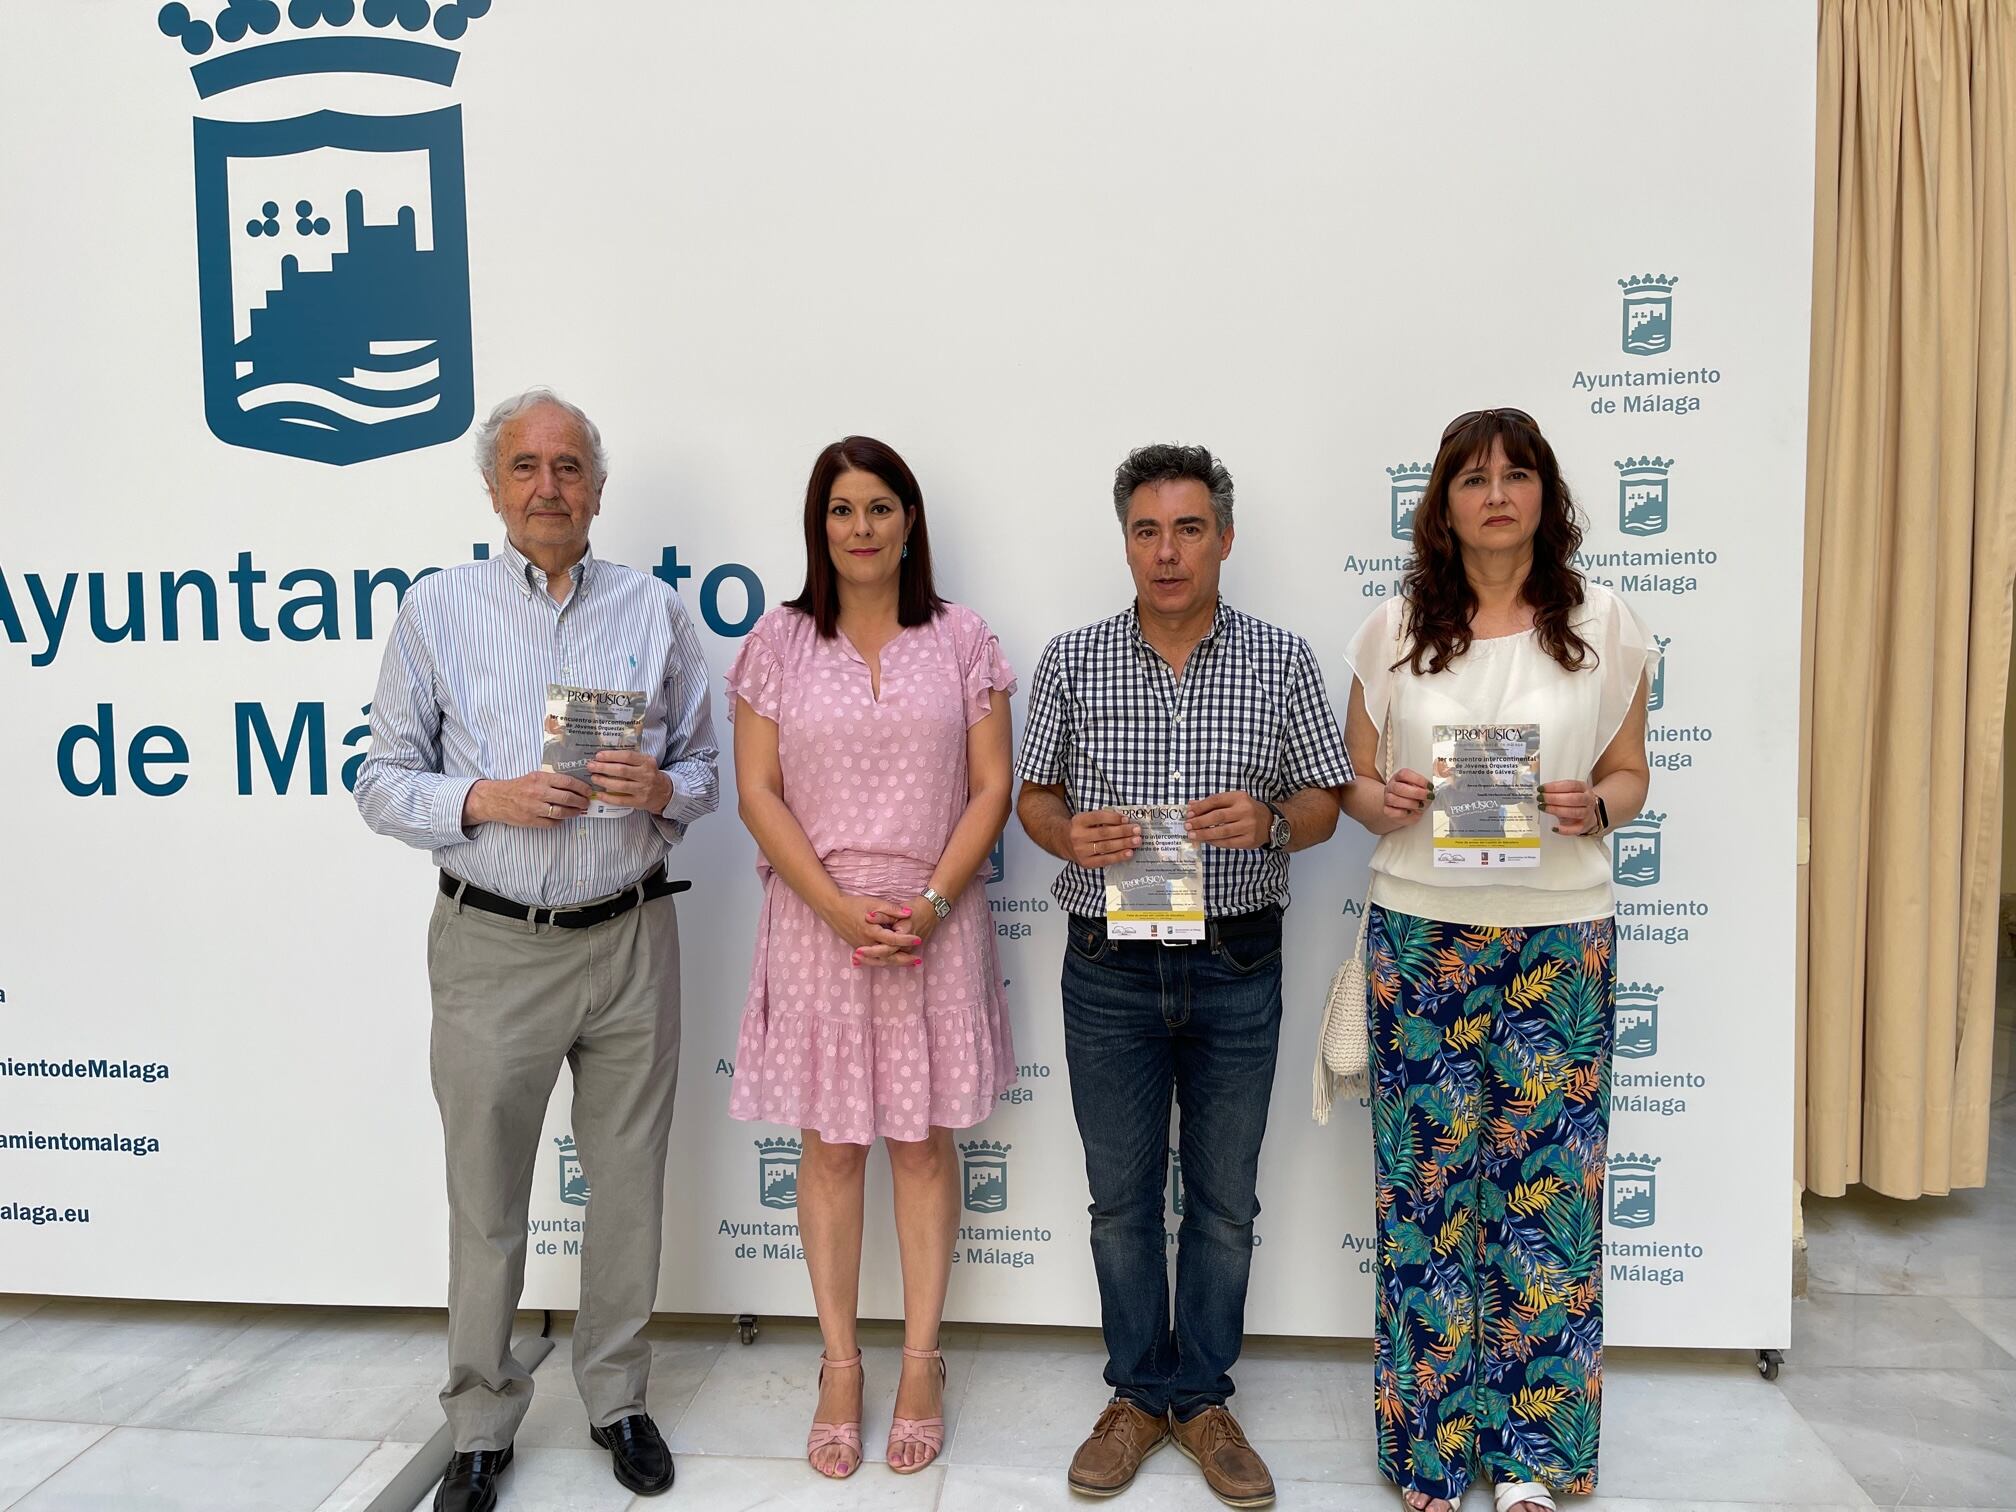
1313, 753
1371, 655
1628, 655
984, 668
757, 674
1045, 726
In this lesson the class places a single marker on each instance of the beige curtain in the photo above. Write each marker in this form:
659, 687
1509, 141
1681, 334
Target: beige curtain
1907, 591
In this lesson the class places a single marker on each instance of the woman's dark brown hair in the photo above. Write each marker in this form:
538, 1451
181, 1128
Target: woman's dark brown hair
917, 601
1438, 592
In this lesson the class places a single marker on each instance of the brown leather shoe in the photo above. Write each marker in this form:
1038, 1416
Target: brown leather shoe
1123, 1437
1236, 1475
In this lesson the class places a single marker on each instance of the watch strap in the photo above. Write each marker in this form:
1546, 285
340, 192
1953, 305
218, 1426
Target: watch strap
1280, 825
940, 904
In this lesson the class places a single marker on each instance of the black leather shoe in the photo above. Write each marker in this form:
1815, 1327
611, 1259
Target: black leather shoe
471, 1482
642, 1461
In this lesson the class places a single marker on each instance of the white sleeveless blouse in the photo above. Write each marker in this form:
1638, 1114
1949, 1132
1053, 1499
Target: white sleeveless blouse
1505, 680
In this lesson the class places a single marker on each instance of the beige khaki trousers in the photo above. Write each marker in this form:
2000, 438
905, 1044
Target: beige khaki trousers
512, 1001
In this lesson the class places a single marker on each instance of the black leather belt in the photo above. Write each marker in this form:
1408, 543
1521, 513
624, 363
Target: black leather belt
647, 887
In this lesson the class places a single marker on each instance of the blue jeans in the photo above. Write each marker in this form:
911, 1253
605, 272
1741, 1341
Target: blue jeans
1143, 1020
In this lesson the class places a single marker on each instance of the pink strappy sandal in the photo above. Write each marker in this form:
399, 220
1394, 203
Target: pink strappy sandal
825, 1435
930, 1432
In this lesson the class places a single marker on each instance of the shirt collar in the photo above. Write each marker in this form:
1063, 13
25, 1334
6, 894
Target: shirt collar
1221, 620
532, 579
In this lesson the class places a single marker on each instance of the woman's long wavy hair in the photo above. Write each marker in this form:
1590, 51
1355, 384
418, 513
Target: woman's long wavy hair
1438, 592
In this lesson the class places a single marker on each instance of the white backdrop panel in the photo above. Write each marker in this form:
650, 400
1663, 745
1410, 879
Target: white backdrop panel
1013, 240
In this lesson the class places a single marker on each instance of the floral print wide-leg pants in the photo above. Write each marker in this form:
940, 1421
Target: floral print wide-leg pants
1490, 1113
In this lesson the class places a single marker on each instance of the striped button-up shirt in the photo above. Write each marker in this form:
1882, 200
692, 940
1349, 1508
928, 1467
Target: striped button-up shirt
1111, 724
462, 696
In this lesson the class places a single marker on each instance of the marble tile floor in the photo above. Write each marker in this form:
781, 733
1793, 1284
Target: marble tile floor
1885, 1399
1899, 1391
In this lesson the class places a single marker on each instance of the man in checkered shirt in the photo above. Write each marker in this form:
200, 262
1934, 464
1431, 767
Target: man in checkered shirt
1178, 700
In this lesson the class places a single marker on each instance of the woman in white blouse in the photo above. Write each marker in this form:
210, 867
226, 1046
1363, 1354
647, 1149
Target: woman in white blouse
1492, 985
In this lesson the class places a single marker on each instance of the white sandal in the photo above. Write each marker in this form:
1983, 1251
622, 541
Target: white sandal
1508, 1494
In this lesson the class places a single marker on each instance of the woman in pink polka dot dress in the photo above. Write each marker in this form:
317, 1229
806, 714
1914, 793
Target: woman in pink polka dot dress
872, 757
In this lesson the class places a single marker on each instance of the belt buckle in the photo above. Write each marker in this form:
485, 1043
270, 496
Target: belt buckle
621, 902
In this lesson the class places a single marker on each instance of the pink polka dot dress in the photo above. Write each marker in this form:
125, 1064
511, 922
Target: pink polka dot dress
860, 1053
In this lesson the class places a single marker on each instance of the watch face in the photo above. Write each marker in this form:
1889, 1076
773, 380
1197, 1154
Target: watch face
1278, 836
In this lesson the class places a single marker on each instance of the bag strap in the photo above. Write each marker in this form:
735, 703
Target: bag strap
1386, 748
1386, 715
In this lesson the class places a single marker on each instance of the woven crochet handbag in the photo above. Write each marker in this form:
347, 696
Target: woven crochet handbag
1344, 1043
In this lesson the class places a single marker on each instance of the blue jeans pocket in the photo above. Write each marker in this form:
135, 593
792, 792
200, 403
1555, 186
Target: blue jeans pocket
1087, 941
1243, 955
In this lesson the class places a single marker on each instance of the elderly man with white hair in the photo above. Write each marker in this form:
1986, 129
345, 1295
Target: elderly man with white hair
554, 936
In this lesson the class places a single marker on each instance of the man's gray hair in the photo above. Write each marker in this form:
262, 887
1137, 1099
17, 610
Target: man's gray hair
520, 404
1166, 462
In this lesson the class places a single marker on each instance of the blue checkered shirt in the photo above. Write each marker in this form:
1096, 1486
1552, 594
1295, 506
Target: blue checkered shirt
1110, 722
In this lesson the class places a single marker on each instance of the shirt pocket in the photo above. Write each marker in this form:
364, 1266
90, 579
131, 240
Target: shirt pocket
1246, 752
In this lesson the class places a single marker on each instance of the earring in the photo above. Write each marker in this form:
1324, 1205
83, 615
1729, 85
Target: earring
906, 548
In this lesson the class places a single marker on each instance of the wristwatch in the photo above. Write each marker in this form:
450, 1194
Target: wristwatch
1602, 816
940, 905
1278, 834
